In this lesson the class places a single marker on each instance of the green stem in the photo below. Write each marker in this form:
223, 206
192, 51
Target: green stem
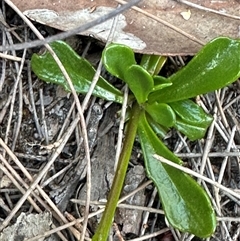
107, 218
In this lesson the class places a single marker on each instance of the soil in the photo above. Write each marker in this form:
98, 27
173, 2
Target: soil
35, 117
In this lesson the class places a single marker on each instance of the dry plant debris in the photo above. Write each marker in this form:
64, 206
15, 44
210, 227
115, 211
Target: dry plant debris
39, 125
142, 27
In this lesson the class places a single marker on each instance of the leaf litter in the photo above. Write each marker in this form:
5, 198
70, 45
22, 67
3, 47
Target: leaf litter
28, 127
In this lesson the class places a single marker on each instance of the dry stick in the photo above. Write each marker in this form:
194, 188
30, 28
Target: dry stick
222, 170
82, 121
207, 146
206, 160
50, 179
92, 86
220, 109
86, 100
4, 109
146, 215
208, 9
45, 129
10, 57
211, 174
98, 71
4, 206
19, 179
226, 124
191, 236
209, 140
30, 87
66, 122
234, 117
120, 205
15, 182
71, 32
117, 232
189, 171
181, 143
214, 202
205, 157
78, 105
23, 191
178, 30
216, 207
4, 64
121, 126
9, 37
18, 71
84, 131
231, 102
88, 185
78, 138
236, 234
20, 99
4, 23
221, 131
13, 101
90, 215
35, 184
223, 166
210, 154
67, 225
152, 235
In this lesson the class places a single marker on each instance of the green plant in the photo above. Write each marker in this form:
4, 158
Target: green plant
159, 104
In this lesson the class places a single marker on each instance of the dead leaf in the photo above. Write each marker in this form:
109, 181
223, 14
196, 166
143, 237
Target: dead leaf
186, 15
141, 32
5, 182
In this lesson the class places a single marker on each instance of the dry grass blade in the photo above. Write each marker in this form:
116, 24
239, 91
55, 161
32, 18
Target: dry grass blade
189, 171
10, 57
208, 9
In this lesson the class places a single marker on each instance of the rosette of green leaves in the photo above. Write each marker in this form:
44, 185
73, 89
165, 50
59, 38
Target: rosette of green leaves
161, 104
167, 102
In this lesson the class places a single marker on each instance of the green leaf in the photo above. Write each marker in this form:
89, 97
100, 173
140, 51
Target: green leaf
159, 130
160, 82
117, 58
162, 113
215, 66
153, 63
140, 82
80, 71
193, 132
191, 120
191, 113
186, 205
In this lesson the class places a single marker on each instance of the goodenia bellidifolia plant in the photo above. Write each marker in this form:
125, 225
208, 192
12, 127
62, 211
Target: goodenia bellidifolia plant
159, 104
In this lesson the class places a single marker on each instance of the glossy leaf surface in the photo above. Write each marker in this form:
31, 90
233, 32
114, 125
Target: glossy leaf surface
153, 63
159, 130
215, 66
117, 58
160, 82
139, 81
191, 120
186, 205
191, 113
162, 113
80, 71
193, 132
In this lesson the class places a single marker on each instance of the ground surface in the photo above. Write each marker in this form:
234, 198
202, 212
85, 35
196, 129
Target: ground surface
35, 130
